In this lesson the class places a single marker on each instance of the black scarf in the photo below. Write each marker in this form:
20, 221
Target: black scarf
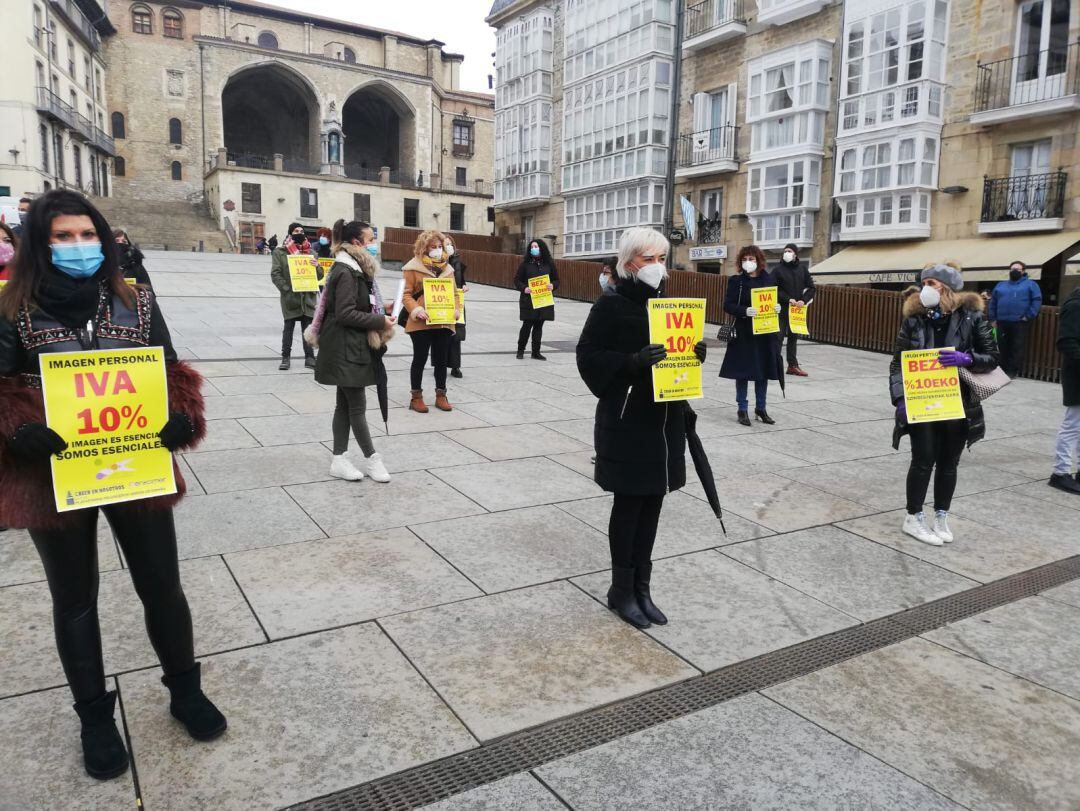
70, 301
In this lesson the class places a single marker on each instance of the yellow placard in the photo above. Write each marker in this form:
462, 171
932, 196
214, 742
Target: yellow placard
324, 270
931, 391
108, 405
678, 324
439, 301
797, 318
538, 291
461, 306
2, 283
764, 300
304, 274
130, 281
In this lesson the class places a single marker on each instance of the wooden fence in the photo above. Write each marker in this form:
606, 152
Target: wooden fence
855, 317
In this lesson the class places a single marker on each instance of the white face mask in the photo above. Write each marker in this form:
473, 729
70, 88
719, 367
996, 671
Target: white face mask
929, 296
449, 250
652, 275
605, 280
789, 256
749, 266
435, 253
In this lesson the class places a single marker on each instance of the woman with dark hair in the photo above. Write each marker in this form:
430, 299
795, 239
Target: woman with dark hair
749, 356
537, 261
131, 258
8, 244
322, 247
68, 294
295, 307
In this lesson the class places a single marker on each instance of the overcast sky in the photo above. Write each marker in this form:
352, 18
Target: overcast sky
458, 23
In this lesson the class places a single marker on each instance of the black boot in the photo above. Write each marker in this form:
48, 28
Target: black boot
520, 353
763, 415
103, 749
285, 364
621, 599
537, 356
744, 418
642, 577
192, 708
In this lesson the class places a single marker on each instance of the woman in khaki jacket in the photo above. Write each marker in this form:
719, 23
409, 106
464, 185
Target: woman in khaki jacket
429, 262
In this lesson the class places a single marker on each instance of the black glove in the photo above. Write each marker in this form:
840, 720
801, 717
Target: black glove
177, 431
33, 441
650, 355
700, 350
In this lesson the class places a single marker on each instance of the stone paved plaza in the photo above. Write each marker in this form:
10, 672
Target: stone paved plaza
353, 630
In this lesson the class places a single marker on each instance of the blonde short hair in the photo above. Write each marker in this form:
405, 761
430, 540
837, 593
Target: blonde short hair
635, 241
420, 247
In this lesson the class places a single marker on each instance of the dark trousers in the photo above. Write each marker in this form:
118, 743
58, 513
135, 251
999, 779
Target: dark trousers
537, 329
792, 340
632, 529
935, 448
1012, 341
287, 336
453, 356
148, 540
351, 412
434, 342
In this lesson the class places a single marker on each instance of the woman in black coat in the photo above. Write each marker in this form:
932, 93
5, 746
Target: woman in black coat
455, 261
640, 444
131, 258
536, 262
750, 357
938, 315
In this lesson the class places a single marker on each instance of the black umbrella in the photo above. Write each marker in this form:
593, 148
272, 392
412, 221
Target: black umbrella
381, 388
702, 466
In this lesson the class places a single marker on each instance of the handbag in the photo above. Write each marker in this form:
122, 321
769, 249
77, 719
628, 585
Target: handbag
728, 331
984, 384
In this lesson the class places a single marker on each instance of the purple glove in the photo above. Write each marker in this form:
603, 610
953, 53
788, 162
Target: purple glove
950, 357
901, 411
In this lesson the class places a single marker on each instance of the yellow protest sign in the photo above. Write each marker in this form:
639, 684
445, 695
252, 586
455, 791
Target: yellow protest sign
931, 391
797, 318
439, 301
764, 300
303, 273
538, 291
678, 324
324, 268
461, 306
2, 283
109, 406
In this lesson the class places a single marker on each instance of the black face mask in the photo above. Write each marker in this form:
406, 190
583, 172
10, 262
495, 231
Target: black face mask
298, 237
1015, 275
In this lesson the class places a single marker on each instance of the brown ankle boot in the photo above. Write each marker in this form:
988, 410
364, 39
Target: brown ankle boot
416, 403
441, 402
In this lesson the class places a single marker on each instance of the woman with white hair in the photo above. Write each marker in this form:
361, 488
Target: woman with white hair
640, 444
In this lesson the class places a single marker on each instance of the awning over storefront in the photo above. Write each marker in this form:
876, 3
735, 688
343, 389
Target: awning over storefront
983, 259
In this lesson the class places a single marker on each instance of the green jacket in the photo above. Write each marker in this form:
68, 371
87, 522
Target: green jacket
345, 357
293, 305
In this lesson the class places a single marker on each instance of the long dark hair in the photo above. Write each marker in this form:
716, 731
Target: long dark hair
34, 257
348, 231
545, 255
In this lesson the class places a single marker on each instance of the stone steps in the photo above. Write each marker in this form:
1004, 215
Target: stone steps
158, 224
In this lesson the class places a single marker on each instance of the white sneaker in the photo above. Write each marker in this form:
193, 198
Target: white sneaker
375, 469
342, 468
941, 526
915, 526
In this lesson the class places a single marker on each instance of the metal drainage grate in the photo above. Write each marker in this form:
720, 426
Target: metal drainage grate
527, 750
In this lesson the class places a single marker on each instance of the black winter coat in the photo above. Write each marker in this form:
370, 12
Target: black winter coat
459, 279
749, 356
131, 263
530, 269
968, 331
793, 283
640, 444
1069, 344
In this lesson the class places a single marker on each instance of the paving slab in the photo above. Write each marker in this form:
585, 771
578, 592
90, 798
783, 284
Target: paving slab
340, 581
746, 753
513, 660
418, 452
308, 401
980, 736
307, 716
245, 405
519, 412
522, 792
1029, 455
249, 519
509, 389
517, 483
582, 462
583, 430
721, 612
41, 763
19, 561
581, 407
293, 429
517, 441
345, 508
225, 435
1044, 492
848, 572
875, 434
829, 410
1069, 593
224, 368
404, 422
1009, 511
815, 448
516, 548
254, 468
266, 384
219, 614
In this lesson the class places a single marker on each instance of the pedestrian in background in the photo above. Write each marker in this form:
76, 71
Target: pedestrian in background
428, 262
537, 261
938, 315
458, 264
322, 245
131, 258
794, 285
24, 208
296, 308
1014, 304
608, 275
272, 243
1067, 455
748, 356
9, 243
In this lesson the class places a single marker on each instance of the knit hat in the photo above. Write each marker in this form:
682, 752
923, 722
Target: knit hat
946, 274
791, 247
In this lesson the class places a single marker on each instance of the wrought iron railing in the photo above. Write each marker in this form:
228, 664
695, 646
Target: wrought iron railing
1031, 197
1032, 77
54, 106
706, 146
709, 230
103, 141
79, 21
705, 16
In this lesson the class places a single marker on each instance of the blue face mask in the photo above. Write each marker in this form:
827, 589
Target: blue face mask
324, 241
534, 251
373, 249
79, 260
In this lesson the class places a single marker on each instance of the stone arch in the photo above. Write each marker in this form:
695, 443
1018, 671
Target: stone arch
379, 124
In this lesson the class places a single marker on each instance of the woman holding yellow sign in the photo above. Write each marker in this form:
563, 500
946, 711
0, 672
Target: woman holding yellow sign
431, 332
68, 295
297, 306
536, 279
938, 316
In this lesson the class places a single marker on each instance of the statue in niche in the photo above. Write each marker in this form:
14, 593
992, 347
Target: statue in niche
334, 147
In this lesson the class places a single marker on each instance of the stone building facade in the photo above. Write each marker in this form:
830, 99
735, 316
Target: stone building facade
217, 99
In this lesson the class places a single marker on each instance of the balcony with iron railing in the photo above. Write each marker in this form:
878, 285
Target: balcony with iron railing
1037, 83
103, 141
708, 152
77, 20
1023, 203
55, 107
713, 21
